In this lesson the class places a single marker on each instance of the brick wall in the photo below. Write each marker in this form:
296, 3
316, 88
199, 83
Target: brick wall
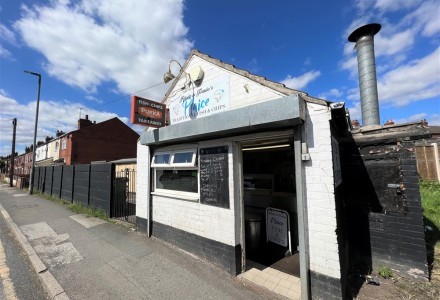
320, 194
325, 266
239, 96
383, 205
206, 221
108, 140
143, 181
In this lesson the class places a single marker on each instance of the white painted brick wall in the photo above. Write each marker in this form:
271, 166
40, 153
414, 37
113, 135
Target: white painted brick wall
324, 254
239, 97
142, 179
204, 220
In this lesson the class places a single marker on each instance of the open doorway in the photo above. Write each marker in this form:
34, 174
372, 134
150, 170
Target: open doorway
269, 201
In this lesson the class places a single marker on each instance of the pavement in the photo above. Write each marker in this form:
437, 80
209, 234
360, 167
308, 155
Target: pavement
77, 257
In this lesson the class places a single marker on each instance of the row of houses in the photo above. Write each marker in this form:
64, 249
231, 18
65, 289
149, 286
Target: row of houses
91, 142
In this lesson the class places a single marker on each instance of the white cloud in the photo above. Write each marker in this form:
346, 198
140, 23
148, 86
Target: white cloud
355, 111
301, 81
412, 118
432, 119
332, 95
4, 53
89, 42
393, 5
390, 43
53, 116
417, 80
7, 36
93, 99
425, 18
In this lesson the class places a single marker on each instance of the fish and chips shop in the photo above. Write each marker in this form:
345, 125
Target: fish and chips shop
246, 173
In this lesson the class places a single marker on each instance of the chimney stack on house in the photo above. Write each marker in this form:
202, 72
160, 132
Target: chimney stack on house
364, 39
82, 123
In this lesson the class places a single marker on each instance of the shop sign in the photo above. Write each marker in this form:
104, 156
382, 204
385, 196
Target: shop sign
197, 102
277, 226
147, 112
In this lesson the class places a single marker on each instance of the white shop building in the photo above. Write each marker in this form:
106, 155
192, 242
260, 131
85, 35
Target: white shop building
247, 173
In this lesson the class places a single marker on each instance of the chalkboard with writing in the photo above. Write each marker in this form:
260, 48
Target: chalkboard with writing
214, 176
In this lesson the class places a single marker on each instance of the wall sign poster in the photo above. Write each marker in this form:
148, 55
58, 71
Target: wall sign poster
196, 102
277, 226
214, 176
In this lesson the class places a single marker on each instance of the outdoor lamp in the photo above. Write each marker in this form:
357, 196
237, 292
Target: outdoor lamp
168, 76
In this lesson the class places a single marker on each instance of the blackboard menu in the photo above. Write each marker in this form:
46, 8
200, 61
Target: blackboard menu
214, 176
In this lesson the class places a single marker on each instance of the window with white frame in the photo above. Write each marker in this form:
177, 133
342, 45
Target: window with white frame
176, 172
63, 144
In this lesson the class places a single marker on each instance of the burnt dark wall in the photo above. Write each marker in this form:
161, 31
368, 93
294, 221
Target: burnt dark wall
382, 203
325, 287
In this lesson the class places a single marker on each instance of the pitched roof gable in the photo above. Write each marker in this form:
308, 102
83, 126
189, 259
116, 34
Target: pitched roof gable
276, 86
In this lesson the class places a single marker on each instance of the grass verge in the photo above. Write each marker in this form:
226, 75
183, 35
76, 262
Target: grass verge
430, 193
77, 208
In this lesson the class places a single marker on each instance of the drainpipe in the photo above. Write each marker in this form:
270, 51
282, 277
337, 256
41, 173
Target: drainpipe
149, 188
301, 203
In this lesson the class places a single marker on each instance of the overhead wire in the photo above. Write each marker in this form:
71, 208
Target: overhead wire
128, 95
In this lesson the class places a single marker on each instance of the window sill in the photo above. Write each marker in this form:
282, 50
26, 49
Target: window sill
177, 196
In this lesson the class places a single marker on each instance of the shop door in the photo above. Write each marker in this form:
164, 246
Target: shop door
269, 202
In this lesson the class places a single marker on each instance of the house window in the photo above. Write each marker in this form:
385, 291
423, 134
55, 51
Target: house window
176, 173
63, 144
56, 146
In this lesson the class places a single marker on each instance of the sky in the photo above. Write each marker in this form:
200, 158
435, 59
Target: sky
94, 54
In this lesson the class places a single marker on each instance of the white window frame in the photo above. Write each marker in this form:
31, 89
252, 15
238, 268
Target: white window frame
176, 166
164, 165
64, 144
190, 164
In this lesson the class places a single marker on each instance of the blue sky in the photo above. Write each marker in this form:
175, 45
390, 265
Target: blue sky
93, 54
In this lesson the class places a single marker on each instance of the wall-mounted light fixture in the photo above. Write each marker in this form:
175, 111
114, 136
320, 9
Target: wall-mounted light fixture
195, 75
168, 76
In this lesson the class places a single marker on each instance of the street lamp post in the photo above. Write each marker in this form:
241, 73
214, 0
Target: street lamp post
31, 181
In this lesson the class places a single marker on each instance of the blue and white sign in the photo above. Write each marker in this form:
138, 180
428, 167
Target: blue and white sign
197, 102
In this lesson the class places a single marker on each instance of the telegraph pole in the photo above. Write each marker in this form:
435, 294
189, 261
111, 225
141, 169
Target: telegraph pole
31, 181
11, 169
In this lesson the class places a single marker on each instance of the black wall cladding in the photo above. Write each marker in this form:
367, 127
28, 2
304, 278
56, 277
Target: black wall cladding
67, 184
41, 178
56, 181
48, 180
81, 181
89, 185
101, 186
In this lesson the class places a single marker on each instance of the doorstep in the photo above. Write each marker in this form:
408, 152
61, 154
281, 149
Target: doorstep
276, 281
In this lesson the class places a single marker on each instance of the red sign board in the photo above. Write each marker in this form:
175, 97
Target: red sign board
147, 112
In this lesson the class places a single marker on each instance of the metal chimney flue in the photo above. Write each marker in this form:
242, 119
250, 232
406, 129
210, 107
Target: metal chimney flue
364, 39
